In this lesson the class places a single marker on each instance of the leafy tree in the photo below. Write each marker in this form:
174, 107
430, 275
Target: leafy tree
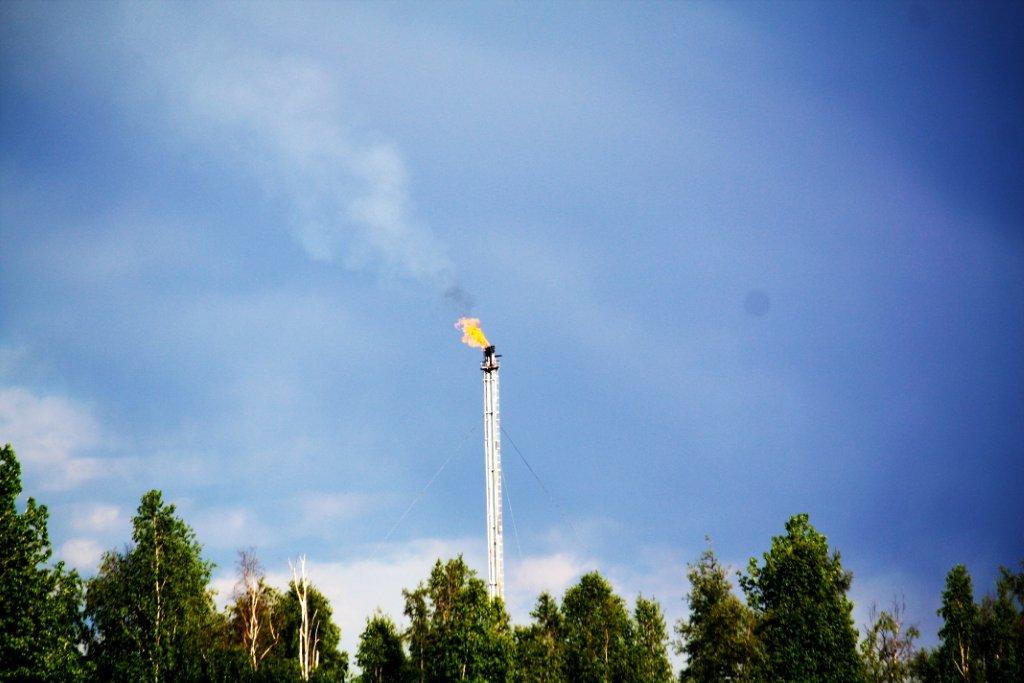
1003, 642
331, 663
250, 628
804, 619
718, 638
997, 652
418, 634
598, 632
649, 660
40, 607
540, 651
380, 653
924, 666
151, 613
456, 631
253, 616
983, 643
226, 661
1001, 629
887, 651
957, 653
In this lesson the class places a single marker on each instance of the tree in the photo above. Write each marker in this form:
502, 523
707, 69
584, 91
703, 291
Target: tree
887, 651
1001, 629
456, 631
308, 623
254, 618
598, 632
957, 653
308, 636
152, 615
804, 619
983, 643
924, 667
380, 653
41, 623
649, 660
418, 634
540, 652
718, 638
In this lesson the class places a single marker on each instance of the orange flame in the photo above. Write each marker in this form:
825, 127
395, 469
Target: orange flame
472, 335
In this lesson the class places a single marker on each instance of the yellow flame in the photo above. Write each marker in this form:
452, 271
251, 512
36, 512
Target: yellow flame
472, 335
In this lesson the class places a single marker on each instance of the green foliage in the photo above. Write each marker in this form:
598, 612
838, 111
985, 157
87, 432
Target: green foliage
924, 667
333, 663
718, 638
1002, 628
148, 616
151, 613
456, 632
887, 651
981, 644
540, 650
268, 615
804, 619
649, 657
380, 654
958, 653
271, 670
598, 632
593, 638
40, 607
251, 646
978, 643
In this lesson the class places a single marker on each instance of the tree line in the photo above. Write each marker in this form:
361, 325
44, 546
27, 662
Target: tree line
149, 615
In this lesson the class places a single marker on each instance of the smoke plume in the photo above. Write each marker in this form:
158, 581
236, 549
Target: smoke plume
280, 119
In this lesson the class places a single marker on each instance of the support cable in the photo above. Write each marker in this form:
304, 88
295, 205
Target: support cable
431, 481
515, 529
551, 499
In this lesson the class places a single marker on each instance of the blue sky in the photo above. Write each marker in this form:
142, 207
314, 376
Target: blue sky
742, 261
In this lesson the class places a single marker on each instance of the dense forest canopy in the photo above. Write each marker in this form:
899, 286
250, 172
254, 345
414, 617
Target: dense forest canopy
149, 615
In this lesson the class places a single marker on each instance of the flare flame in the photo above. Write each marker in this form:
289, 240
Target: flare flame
472, 335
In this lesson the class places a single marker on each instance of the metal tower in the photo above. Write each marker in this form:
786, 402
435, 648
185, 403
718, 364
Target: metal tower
492, 463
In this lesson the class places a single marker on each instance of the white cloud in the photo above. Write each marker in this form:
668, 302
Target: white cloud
533, 574
357, 588
332, 507
223, 586
227, 527
49, 434
82, 553
98, 518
